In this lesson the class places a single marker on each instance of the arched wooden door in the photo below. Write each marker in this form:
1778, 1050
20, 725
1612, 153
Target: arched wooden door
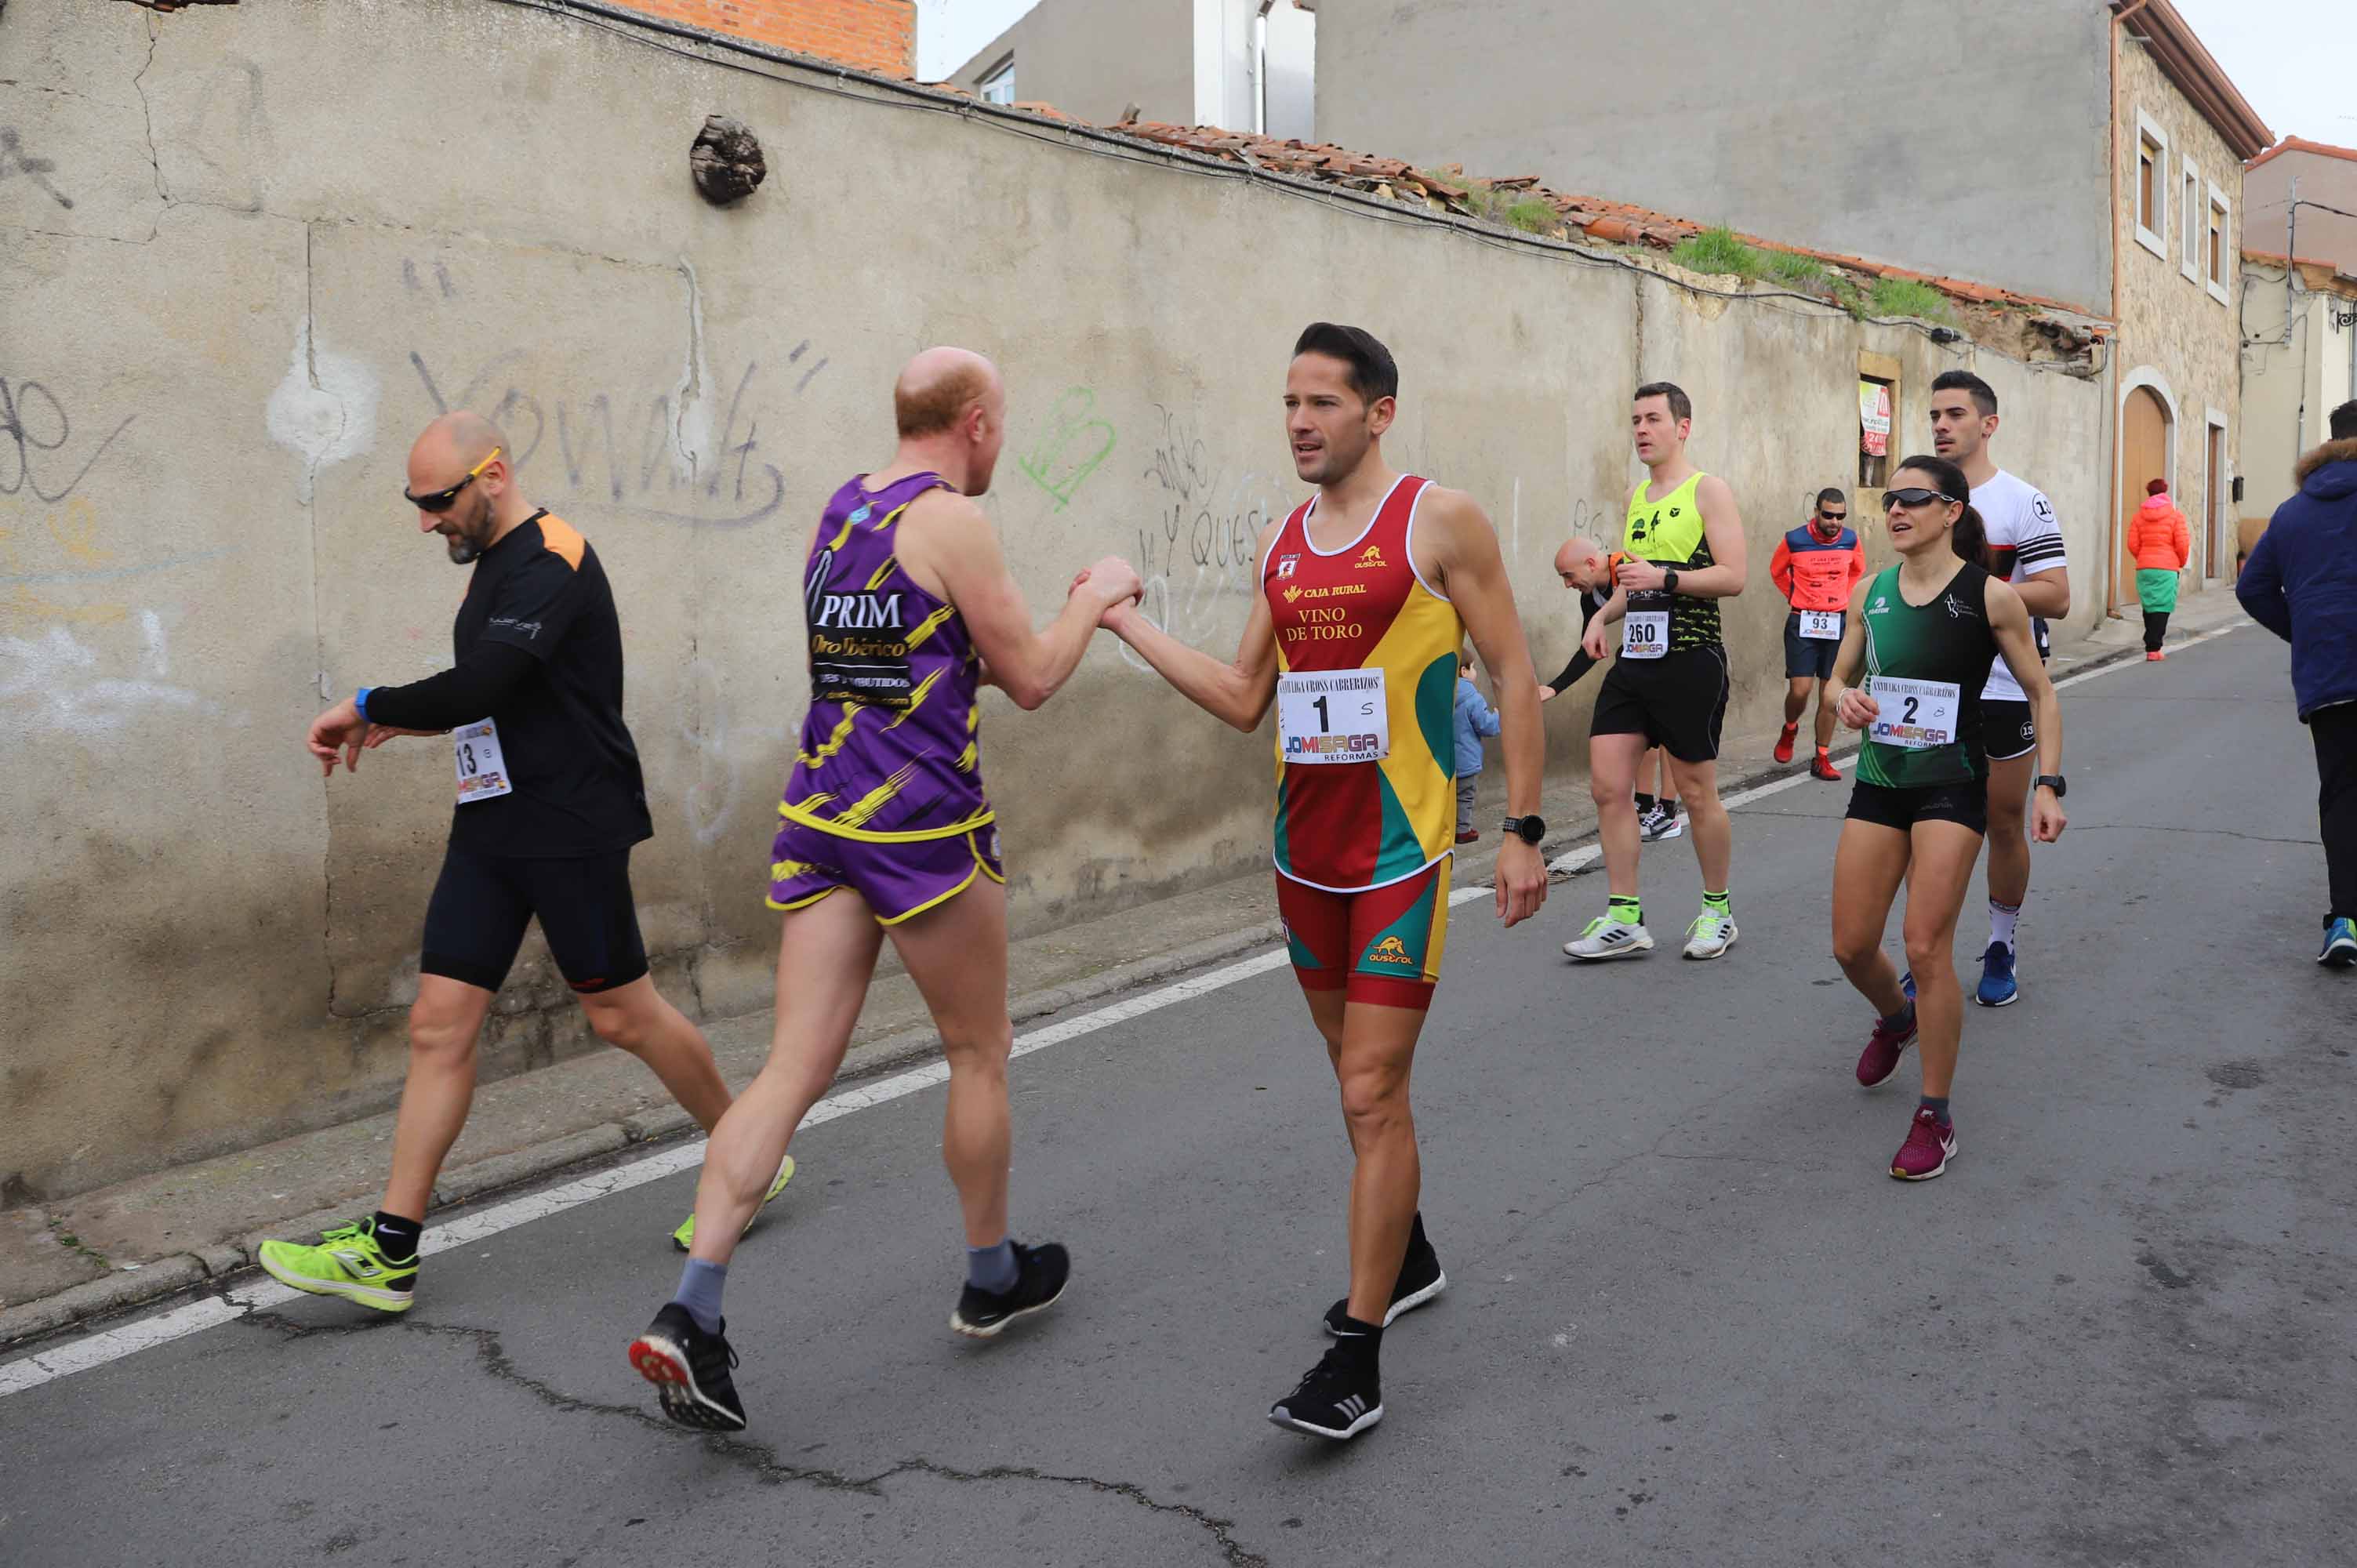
2143, 438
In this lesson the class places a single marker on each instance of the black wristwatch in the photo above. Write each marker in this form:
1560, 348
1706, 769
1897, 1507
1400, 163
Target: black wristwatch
1670, 581
2052, 781
1530, 829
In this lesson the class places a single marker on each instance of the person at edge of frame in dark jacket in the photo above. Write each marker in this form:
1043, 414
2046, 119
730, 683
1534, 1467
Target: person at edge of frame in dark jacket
2300, 583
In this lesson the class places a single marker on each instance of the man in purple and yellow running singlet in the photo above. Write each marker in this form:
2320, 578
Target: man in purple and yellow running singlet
909, 602
1366, 590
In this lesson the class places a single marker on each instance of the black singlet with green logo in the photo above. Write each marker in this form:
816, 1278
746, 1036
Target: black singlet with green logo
1947, 642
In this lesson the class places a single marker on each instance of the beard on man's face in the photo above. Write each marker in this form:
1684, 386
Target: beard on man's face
469, 539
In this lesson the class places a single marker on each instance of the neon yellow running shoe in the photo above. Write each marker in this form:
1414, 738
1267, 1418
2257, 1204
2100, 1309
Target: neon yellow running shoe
684, 1236
347, 1262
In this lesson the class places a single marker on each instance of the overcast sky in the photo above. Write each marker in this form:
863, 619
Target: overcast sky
2292, 58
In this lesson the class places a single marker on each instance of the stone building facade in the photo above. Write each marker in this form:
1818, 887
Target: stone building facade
2178, 245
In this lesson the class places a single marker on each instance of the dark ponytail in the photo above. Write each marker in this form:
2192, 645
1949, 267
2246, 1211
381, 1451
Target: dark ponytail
1968, 536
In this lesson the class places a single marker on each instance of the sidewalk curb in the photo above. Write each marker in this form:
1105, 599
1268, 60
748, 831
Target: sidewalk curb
129, 1288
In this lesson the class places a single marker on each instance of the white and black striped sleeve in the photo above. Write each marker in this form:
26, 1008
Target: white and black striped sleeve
2039, 549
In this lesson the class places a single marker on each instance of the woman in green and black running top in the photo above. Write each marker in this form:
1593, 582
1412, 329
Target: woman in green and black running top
1922, 634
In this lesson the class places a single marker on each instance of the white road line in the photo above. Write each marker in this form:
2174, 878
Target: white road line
115, 1344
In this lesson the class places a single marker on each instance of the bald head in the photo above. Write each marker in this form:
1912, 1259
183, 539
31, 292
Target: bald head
938, 387
457, 442
1581, 564
461, 491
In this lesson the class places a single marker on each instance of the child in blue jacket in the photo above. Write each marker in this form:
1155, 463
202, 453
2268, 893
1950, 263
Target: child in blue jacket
1475, 718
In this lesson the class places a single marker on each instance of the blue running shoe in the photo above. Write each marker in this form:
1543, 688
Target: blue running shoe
1907, 984
2339, 944
1996, 987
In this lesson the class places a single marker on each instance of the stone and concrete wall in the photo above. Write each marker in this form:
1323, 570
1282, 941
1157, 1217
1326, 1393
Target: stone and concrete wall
228, 299
1970, 146
2176, 335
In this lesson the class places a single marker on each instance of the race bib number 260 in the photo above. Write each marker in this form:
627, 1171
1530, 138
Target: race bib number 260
1338, 716
1645, 634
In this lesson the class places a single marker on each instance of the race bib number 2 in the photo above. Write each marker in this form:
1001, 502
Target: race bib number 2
482, 771
1914, 715
1822, 626
1645, 634
1338, 715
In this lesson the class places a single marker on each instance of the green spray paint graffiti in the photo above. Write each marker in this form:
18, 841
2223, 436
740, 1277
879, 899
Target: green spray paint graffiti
1073, 446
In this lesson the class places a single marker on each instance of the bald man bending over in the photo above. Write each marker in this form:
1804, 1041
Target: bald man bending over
549, 805
888, 832
1586, 571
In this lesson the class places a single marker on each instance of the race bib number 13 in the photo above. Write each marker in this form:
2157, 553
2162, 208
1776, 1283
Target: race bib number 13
482, 771
1338, 716
1914, 715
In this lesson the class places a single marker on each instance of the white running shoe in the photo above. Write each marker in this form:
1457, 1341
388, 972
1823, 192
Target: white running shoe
1665, 824
1609, 938
1711, 934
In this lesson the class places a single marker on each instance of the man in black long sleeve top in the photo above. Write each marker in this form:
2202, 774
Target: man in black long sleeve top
1582, 566
550, 801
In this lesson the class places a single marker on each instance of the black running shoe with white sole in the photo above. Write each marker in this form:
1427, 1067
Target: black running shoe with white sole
1041, 1273
1341, 1397
690, 1371
1420, 1279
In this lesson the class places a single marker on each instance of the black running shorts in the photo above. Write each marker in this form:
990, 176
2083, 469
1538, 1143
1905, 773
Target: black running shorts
1966, 804
1677, 702
2006, 730
475, 922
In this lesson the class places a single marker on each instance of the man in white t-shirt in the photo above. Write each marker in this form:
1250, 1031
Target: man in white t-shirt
2027, 546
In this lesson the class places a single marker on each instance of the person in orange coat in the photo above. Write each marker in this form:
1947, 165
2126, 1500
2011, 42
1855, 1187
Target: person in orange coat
2160, 547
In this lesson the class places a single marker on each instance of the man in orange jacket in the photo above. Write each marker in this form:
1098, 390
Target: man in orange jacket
1815, 566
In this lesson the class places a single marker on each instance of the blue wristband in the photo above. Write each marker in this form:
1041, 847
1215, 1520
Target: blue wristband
360, 701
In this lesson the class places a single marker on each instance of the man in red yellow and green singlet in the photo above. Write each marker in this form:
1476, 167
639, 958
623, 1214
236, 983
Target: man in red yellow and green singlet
1366, 591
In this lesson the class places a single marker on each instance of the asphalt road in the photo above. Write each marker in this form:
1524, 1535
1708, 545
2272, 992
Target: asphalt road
1691, 1319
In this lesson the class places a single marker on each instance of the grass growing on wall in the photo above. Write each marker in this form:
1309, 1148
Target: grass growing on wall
1716, 251
1905, 296
1513, 209
1797, 272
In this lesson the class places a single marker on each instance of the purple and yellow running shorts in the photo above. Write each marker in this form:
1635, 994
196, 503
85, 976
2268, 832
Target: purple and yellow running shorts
896, 881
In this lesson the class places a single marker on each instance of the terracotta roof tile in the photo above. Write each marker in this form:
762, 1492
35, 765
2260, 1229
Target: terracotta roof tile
1591, 218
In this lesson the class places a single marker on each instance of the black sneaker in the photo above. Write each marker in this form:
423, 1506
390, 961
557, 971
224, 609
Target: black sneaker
1039, 1275
690, 1371
1340, 1398
1420, 1280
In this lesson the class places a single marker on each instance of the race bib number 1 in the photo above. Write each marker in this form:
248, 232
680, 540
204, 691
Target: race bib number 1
482, 771
1914, 715
1338, 716
1645, 634
1824, 626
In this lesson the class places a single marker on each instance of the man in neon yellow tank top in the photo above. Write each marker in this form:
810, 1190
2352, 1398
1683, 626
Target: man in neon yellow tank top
1365, 590
1681, 553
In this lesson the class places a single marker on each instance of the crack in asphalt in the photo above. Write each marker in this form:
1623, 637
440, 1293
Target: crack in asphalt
760, 1459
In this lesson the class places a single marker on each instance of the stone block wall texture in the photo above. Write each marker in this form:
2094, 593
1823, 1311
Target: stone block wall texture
873, 34
2171, 327
230, 300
